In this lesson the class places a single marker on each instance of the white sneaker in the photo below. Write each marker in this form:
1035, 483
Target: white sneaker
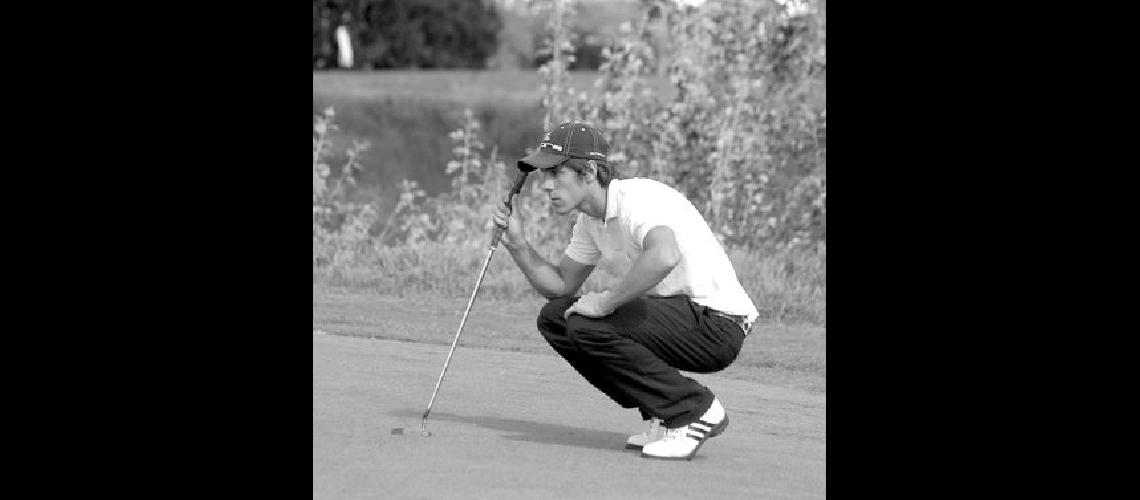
656, 431
683, 442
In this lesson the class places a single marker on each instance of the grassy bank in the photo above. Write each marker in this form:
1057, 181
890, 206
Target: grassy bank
506, 87
409, 137
407, 116
787, 288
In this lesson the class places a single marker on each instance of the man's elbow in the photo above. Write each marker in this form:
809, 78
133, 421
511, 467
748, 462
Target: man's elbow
670, 257
556, 295
664, 245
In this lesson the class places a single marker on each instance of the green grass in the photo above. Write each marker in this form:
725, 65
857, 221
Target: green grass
453, 86
774, 353
407, 116
787, 288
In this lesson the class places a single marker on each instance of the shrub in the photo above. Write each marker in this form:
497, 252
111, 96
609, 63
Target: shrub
744, 138
426, 33
340, 228
409, 137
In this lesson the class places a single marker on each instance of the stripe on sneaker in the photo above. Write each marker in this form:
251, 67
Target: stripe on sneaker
696, 432
703, 427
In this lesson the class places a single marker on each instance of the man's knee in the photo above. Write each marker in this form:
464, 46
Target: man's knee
590, 332
556, 307
550, 318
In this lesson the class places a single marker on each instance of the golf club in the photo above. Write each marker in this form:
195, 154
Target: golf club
496, 235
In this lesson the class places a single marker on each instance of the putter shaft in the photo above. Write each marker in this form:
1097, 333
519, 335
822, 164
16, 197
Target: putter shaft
470, 302
520, 178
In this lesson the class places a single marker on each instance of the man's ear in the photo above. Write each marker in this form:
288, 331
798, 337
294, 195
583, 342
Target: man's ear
592, 171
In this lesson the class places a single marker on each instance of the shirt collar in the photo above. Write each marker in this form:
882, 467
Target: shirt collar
611, 200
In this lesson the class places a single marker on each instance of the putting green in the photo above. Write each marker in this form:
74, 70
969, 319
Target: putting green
524, 425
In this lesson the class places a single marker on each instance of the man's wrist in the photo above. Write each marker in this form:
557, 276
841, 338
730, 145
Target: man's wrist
512, 247
608, 303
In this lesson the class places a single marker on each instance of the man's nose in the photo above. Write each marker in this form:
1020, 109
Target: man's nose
548, 185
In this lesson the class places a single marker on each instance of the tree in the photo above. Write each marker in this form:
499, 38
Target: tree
408, 33
427, 33
744, 136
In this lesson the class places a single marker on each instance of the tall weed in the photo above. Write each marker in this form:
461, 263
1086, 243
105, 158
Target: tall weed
340, 228
744, 138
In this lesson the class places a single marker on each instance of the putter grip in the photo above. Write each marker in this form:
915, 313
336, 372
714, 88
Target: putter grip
515, 189
519, 180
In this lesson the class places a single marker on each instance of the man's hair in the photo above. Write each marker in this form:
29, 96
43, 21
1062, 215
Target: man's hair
605, 171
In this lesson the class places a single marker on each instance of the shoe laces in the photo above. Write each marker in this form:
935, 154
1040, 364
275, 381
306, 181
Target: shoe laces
654, 427
677, 434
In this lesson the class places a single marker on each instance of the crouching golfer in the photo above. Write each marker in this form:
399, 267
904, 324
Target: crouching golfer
679, 307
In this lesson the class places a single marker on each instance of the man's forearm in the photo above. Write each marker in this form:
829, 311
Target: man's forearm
542, 275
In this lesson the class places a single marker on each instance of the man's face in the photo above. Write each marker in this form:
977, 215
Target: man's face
565, 188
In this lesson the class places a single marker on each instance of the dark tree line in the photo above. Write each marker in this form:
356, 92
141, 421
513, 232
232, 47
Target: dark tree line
407, 33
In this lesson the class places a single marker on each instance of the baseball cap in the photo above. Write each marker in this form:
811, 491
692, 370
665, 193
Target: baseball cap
568, 140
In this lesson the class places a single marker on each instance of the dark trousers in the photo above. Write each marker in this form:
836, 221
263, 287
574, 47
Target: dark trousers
635, 354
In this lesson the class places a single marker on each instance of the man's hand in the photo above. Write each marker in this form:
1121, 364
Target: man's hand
591, 305
512, 223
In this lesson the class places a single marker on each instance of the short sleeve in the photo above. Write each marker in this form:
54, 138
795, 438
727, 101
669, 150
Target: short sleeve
582, 247
644, 217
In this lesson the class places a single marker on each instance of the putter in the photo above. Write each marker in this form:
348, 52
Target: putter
496, 235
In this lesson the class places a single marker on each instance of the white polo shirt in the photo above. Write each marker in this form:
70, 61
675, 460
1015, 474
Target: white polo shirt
633, 207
